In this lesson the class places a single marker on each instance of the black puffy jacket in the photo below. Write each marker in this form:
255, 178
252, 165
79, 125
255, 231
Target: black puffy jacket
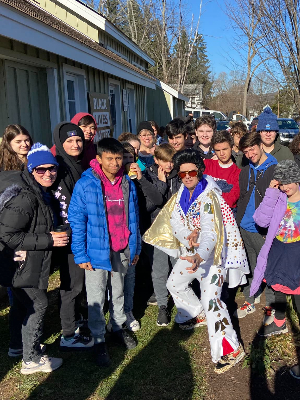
25, 224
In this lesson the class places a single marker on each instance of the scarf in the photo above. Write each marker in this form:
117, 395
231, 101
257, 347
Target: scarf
185, 201
115, 208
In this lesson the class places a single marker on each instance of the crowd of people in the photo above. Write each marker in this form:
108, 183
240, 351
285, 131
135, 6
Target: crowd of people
208, 210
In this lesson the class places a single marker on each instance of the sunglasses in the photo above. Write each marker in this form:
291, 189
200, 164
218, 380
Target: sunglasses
183, 174
43, 170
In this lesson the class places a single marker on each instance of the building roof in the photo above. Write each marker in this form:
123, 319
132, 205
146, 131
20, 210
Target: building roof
96, 17
37, 13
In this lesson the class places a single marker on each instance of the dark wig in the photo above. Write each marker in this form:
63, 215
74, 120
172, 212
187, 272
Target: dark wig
109, 145
189, 156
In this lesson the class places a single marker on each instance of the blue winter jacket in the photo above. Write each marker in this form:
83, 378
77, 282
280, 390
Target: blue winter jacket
88, 220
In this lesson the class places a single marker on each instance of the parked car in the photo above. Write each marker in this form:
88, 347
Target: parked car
223, 125
197, 113
288, 129
240, 117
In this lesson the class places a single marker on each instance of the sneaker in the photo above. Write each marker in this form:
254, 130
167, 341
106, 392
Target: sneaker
19, 352
131, 323
295, 371
152, 300
272, 329
81, 324
76, 343
124, 337
230, 360
102, 356
269, 315
163, 318
46, 364
243, 311
200, 320
15, 352
257, 299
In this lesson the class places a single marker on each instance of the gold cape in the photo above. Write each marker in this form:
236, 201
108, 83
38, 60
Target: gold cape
160, 233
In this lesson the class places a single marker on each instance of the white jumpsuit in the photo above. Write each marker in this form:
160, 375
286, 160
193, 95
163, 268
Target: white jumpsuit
200, 215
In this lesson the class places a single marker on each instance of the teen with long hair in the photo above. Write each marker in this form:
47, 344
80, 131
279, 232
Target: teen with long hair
15, 145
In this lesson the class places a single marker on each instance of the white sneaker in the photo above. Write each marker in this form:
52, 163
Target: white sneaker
46, 364
244, 310
77, 342
131, 323
257, 299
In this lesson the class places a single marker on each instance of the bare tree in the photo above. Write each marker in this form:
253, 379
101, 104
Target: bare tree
161, 29
280, 36
246, 22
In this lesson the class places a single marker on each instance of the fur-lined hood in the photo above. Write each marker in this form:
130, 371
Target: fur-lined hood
8, 194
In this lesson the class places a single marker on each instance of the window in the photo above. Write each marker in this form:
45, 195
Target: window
72, 90
115, 106
75, 91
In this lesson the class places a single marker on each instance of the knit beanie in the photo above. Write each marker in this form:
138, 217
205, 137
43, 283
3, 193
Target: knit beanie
145, 125
286, 172
68, 130
39, 154
267, 121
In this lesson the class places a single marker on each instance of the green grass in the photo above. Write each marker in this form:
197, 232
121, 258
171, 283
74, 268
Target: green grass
267, 356
166, 364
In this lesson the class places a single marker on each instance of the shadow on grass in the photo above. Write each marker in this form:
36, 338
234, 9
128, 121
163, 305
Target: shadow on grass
285, 387
6, 363
161, 370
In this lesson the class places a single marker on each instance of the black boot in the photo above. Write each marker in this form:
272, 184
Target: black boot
102, 356
124, 336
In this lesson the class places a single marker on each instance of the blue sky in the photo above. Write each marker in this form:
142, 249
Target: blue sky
218, 34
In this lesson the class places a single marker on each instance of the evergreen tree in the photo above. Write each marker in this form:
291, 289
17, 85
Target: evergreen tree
199, 68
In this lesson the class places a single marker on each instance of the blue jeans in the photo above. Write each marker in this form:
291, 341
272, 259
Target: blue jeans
29, 306
129, 283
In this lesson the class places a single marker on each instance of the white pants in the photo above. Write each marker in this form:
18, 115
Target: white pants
222, 336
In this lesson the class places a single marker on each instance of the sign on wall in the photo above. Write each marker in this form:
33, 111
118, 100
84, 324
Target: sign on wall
100, 109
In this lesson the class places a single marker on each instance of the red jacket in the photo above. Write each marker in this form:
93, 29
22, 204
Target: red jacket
228, 179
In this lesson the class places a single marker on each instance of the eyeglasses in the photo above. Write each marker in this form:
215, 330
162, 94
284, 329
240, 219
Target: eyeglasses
146, 136
43, 170
183, 174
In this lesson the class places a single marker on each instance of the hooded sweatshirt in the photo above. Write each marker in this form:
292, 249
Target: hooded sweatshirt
248, 222
89, 148
281, 152
115, 208
69, 171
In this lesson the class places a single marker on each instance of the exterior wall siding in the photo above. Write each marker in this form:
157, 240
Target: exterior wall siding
67, 16
158, 106
84, 26
96, 81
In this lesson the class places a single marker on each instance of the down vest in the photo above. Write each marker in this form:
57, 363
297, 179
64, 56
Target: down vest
87, 217
25, 224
